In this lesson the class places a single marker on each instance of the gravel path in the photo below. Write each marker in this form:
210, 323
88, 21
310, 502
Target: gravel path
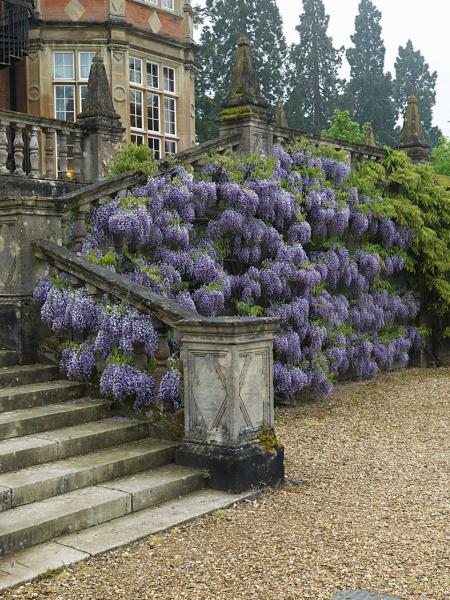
371, 512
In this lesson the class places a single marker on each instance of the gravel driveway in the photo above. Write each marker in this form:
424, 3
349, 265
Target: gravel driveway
370, 512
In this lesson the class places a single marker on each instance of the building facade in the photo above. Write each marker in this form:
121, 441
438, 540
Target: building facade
148, 50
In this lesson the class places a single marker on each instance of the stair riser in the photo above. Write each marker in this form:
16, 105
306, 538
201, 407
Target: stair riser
36, 491
167, 491
66, 448
41, 398
86, 517
14, 378
54, 421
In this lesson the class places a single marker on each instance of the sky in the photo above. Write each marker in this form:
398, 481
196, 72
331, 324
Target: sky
425, 23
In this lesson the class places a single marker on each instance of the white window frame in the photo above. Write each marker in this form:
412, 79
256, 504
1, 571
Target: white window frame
140, 93
79, 63
65, 52
173, 102
150, 96
158, 75
139, 60
166, 142
168, 4
169, 91
157, 153
66, 85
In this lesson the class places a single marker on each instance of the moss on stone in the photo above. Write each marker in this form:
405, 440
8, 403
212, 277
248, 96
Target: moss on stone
236, 113
268, 440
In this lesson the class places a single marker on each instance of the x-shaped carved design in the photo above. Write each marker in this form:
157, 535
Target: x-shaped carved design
10, 274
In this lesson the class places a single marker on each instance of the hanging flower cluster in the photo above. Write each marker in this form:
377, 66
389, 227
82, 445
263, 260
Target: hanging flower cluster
286, 238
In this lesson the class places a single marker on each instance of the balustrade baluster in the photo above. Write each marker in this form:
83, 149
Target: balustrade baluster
49, 152
34, 147
80, 230
62, 153
3, 148
18, 149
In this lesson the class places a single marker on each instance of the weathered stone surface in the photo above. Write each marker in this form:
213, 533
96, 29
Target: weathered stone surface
152, 520
62, 476
33, 420
21, 375
244, 87
413, 140
38, 394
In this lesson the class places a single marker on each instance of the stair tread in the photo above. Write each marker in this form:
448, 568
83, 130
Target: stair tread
26, 564
63, 505
64, 433
50, 509
26, 368
30, 388
66, 467
50, 409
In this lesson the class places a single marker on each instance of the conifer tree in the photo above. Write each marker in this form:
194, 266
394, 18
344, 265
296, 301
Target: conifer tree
414, 78
370, 86
225, 21
315, 84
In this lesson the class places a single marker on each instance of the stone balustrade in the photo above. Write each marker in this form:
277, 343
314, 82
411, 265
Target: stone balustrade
39, 148
227, 369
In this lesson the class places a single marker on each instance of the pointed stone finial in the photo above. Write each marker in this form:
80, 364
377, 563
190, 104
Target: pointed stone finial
280, 116
413, 140
98, 107
369, 136
245, 88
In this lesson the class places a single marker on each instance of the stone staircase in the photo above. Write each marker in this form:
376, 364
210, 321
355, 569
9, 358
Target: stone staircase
75, 480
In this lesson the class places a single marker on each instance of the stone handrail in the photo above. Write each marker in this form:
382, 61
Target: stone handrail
227, 376
29, 145
194, 155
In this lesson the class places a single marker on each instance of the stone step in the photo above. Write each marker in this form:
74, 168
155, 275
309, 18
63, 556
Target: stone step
62, 476
43, 418
21, 375
39, 448
41, 521
39, 394
8, 358
25, 565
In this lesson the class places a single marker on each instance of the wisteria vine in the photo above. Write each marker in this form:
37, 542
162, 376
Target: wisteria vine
284, 237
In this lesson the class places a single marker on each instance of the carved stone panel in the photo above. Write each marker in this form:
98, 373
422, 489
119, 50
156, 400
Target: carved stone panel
9, 254
254, 388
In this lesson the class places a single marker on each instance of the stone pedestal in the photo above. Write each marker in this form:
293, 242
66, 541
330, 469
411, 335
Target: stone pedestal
257, 134
23, 220
228, 402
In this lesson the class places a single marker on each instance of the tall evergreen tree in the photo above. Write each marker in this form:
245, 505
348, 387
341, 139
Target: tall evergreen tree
414, 78
224, 22
370, 86
315, 83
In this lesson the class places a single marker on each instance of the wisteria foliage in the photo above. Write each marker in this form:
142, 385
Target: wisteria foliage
286, 238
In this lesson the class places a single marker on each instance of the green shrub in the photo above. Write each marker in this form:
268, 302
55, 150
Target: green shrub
130, 157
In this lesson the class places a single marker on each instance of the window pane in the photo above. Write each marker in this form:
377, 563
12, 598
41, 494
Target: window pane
136, 109
137, 139
170, 147
64, 65
155, 145
83, 93
167, 4
135, 70
86, 59
169, 116
153, 75
153, 112
169, 80
65, 102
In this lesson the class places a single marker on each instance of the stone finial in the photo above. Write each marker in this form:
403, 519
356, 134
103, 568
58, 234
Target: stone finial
244, 88
369, 136
413, 140
280, 116
98, 105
